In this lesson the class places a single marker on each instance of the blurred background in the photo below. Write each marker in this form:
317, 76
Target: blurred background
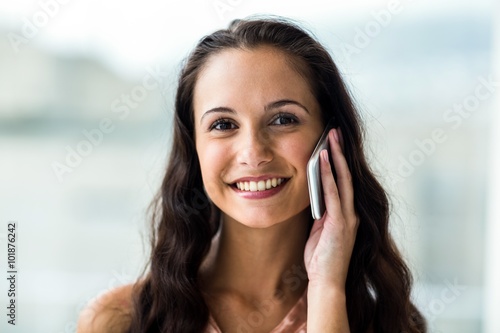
86, 90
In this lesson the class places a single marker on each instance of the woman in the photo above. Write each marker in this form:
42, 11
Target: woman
234, 247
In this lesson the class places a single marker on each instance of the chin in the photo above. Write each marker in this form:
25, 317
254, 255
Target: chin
258, 222
262, 221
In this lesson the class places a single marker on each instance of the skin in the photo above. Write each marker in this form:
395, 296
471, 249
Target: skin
239, 132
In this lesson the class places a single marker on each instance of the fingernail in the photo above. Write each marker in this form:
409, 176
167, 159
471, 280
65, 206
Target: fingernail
324, 154
335, 135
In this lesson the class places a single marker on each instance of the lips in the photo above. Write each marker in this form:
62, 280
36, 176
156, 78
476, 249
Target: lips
259, 185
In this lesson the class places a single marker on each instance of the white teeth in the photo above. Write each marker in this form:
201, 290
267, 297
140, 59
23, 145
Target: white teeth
261, 185
253, 186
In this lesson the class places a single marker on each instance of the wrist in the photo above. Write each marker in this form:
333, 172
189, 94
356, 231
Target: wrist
326, 309
326, 292
331, 287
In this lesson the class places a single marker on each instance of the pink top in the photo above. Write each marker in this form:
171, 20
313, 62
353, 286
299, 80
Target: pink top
294, 322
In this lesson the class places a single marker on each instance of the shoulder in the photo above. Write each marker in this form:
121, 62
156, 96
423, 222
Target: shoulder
108, 312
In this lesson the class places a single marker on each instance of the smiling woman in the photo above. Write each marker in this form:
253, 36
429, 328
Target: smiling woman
251, 103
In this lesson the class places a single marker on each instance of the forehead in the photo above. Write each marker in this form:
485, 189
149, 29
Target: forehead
249, 77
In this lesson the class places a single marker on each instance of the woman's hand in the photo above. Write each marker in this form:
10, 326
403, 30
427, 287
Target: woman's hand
328, 250
329, 247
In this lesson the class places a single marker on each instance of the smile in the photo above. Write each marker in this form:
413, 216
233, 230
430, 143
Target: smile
261, 185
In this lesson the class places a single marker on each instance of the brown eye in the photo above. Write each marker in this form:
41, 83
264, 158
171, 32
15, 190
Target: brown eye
284, 119
222, 125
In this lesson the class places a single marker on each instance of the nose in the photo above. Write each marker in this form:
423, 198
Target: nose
254, 150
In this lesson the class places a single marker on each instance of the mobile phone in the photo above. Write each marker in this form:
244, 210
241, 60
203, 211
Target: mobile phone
314, 173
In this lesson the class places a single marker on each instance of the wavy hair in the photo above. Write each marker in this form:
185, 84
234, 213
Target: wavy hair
168, 297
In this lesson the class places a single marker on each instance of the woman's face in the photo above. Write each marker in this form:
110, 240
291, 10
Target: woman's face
256, 125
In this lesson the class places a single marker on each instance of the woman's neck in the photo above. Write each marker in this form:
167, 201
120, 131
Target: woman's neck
258, 263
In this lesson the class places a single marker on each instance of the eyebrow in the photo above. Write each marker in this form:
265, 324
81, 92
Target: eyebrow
272, 105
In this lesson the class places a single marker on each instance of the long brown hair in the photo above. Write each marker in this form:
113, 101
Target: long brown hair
169, 298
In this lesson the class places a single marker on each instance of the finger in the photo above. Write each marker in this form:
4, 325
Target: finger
342, 144
344, 178
330, 192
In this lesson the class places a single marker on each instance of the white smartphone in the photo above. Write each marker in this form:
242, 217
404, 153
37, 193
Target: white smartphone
314, 174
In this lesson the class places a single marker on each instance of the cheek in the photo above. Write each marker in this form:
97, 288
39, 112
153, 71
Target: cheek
213, 159
299, 151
